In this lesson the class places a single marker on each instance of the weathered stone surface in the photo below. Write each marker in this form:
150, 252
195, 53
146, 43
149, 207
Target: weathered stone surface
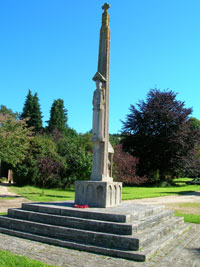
98, 194
180, 252
141, 232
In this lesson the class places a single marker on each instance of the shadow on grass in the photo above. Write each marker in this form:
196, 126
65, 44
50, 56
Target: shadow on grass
6, 184
45, 195
9, 196
53, 196
187, 193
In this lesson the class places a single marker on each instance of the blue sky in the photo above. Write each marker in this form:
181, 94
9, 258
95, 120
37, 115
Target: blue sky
51, 47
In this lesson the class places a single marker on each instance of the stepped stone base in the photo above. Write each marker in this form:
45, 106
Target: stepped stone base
128, 231
98, 194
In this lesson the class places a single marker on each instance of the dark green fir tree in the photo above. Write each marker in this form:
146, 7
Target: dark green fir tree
32, 111
58, 116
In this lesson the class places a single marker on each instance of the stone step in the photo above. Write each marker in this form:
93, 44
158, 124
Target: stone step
150, 221
141, 255
77, 235
93, 225
128, 231
130, 242
159, 244
124, 213
148, 236
72, 222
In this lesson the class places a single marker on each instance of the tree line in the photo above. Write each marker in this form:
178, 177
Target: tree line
51, 156
159, 140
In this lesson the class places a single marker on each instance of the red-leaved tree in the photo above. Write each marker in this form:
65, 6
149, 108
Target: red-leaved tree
125, 167
49, 168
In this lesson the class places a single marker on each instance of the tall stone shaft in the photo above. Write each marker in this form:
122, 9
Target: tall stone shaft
100, 171
100, 191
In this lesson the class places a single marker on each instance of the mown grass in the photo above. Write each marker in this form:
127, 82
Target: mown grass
191, 218
8, 259
3, 213
6, 198
181, 181
129, 193
189, 205
35, 194
133, 192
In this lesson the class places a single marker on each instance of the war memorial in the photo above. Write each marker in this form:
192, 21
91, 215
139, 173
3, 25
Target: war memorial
98, 221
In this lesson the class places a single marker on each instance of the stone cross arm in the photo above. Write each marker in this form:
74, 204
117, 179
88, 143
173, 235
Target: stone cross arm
105, 7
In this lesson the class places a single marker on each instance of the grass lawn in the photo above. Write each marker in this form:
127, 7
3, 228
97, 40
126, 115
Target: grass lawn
8, 259
6, 198
35, 194
191, 218
129, 193
3, 213
134, 192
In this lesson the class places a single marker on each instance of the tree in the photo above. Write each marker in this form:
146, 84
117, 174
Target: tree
159, 134
78, 160
194, 124
58, 116
7, 111
114, 139
32, 111
49, 169
28, 171
15, 139
125, 167
36, 117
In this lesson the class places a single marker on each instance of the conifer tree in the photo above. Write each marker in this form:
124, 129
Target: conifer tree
32, 111
58, 116
36, 114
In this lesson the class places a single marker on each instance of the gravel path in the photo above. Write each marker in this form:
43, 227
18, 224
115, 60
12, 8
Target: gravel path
6, 203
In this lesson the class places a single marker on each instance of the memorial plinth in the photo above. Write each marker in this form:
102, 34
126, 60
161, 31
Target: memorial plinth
98, 194
101, 191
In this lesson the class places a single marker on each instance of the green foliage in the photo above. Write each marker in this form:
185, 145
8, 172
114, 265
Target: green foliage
6, 111
194, 124
36, 117
58, 116
32, 111
71, 153
15, 140
77, 159
28, 171
8, 259
114, 139
85, 141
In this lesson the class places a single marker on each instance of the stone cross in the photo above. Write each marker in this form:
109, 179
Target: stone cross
101, 165
101, 191
105, 7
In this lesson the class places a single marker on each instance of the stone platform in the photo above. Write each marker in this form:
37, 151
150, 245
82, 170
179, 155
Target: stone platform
98, 193
128, 231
